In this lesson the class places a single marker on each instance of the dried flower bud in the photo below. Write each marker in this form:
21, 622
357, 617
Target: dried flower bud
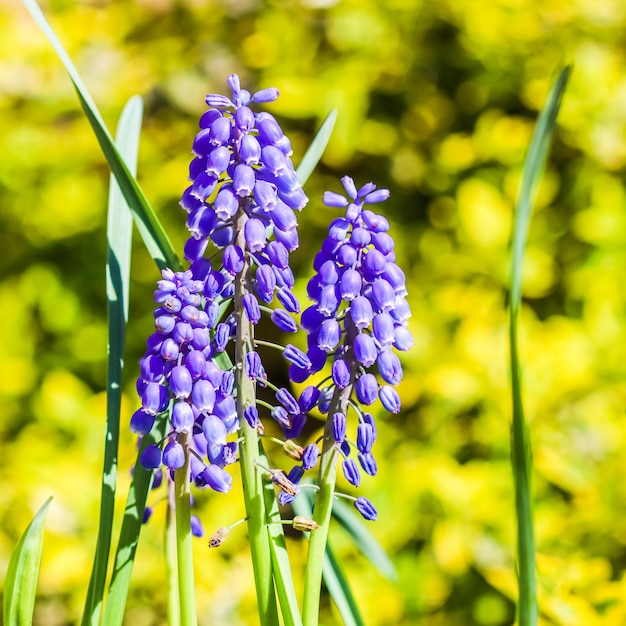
218, 537
278, 477
293, 450
304, 523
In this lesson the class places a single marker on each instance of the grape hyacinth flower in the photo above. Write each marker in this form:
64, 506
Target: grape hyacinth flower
243, 190
243, 186
358, 317
179, 375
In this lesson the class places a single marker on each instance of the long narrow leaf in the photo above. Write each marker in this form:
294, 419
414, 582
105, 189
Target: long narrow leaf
521, 445
316, 149
339, 588
364, 540
149, 226
283, 577
129, 534
20, 585
119, 237
334, 578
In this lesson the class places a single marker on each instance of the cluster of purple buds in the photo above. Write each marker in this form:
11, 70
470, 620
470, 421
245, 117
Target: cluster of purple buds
359, 315
242, 177
179, 377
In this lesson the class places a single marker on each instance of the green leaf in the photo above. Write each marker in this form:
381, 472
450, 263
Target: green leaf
119, 236
280, 559
521, 457
20, 585
339, 588
131, 528
152, 232
316, 149
332, 573
364, 540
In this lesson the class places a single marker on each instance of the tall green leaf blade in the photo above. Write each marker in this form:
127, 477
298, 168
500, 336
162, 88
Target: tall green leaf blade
129, 533
332, 573
20, 585
316, 149
364, 540
119, 237
339, 588
520, 440
155, 238
281, 567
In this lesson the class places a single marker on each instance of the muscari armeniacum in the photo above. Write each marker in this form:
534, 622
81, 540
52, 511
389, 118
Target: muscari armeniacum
241, 217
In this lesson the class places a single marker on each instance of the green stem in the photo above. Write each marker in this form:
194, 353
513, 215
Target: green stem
184, 551
323, 510
171, 560
252, 480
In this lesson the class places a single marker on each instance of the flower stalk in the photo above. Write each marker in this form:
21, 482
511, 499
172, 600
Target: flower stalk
323, 507
252, 480
184, 552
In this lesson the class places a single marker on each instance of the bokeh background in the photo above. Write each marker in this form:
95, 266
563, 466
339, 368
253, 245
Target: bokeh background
437, 101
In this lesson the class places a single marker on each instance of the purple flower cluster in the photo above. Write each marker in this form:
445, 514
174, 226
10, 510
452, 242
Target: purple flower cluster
179, 375
242, 177
359, 314
243, 190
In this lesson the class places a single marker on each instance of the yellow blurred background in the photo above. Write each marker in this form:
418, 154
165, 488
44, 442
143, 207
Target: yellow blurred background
437, 101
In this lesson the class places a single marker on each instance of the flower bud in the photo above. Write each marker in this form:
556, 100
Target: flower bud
364, 437
203, 395
351, 472
296, 356
217, 478
308, 398
310, 456
151, 457
366, 388
284, 321
174, 455
233, 259
304, 523
180, 382
182, 417
288, 401
368, 463
218, 537
366, 508
293, 450
390, 399
141, 423
341, 373
251, 307
214, 430
339, 427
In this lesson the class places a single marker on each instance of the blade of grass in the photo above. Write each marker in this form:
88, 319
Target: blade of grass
520, 439
316, 149
340, 591
119, 236
332, 573
364, 540
152, 232
129, 533
20, 584
281, 567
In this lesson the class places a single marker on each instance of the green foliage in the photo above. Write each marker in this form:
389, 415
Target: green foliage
119, 231
20, 585
521, 452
